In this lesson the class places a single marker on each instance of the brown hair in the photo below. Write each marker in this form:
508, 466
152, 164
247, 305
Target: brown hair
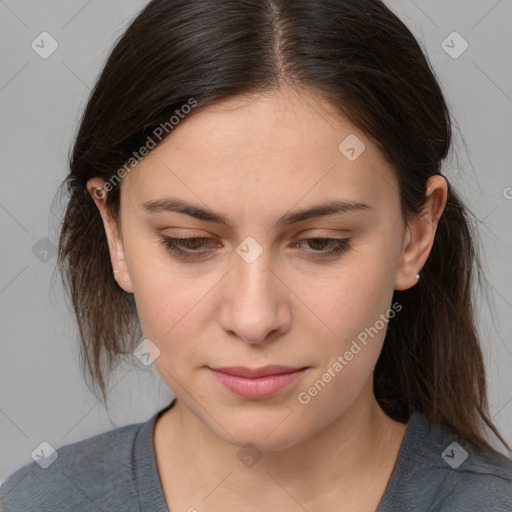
359, 56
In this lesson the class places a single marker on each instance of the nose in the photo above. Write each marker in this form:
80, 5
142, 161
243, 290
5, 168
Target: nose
255, 304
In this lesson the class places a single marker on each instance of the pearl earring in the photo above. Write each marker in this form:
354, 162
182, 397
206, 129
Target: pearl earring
418, 275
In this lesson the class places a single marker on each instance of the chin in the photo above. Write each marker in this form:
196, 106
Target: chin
268, 431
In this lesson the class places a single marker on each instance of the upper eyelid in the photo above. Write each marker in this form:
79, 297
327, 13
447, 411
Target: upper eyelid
341, 246
177, 240
305, 233
209, 238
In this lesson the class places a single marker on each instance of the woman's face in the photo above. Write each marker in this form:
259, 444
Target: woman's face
259, 288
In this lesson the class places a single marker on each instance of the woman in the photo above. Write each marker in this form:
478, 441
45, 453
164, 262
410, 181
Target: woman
256, 192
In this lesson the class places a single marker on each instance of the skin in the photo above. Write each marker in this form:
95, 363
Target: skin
253, 159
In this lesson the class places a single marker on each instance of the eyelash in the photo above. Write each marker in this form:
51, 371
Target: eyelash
342, 245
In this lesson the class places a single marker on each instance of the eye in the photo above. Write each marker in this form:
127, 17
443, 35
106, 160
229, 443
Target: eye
193, 247
338, 246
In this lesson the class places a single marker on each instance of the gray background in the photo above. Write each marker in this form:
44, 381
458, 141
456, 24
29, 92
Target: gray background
42, 394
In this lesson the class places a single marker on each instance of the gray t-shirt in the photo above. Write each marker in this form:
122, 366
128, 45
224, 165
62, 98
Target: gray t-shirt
116, 471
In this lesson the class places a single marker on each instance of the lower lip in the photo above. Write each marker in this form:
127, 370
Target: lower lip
258, 388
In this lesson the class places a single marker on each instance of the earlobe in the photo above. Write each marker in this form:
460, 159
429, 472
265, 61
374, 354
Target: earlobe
420, 234
95, 187
405, 272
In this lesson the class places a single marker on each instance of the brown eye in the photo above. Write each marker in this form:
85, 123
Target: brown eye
318, 245
190, 244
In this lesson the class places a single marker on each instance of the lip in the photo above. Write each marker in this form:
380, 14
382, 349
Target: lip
257, 383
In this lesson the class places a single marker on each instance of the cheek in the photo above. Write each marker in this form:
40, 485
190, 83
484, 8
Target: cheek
176, 309
356, 307
171, 315
161, 292
344, 303
168, 305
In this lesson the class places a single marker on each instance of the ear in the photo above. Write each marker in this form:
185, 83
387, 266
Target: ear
420, 233
96, 188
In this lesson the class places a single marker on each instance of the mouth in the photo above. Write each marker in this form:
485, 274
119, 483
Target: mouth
257, 383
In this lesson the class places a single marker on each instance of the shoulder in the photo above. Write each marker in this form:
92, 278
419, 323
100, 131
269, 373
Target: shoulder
442, 472
483, 481
74, 476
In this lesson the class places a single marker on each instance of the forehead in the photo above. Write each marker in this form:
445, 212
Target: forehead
273, 149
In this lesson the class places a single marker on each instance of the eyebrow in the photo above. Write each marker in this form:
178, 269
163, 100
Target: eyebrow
172, 204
